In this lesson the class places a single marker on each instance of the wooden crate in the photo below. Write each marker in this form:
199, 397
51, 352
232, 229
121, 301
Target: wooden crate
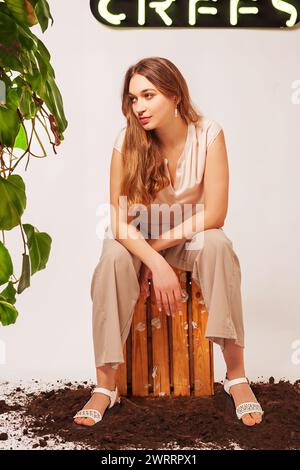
167, 355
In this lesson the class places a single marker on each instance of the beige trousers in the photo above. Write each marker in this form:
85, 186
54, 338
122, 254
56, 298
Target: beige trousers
115, 290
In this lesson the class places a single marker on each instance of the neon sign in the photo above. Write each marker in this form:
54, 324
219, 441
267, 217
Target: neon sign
197, 13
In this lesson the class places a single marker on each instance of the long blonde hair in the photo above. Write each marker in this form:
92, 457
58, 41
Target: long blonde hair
143, 169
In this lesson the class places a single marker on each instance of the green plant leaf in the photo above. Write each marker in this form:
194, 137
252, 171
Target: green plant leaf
12, 99
42, 65
53, 99
6, 265
27, 104
9, 37
43, 14
21, 141
27, 62
39, 244
9, 41
27, 39
9, 126
24, 281
45, 54
23, 11
12, 201
8, 313
9, 60
9, 293
38, 84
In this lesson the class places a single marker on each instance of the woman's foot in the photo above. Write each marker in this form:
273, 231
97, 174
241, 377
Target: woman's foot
99, 402
242, 393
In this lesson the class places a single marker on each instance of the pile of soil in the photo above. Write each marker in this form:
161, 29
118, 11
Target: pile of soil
160, 422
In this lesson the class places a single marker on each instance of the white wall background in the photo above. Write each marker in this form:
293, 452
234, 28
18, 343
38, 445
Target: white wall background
241, 78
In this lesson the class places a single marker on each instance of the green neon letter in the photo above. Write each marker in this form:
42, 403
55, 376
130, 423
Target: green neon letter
160, 8
202, 10
235, 10
141, 12
287, 8
103, 11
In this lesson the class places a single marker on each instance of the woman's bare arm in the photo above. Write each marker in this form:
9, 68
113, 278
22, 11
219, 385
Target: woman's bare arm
123, 231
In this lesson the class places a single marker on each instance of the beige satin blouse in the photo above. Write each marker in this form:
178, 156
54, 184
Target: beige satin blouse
188, 184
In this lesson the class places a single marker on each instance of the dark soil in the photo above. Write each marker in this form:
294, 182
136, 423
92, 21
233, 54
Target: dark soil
160, 422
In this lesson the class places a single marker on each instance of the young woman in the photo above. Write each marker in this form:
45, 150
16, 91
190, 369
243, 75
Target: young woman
167, 154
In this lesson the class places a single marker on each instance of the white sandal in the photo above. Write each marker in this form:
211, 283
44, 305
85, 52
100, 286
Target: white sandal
95, 414
246, 407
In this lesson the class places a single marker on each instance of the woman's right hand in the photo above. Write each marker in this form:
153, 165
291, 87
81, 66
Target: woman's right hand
166, 287
144, 276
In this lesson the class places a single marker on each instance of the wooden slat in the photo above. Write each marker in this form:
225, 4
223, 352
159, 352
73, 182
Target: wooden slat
202, 347
160, 350
180, 356
139, 359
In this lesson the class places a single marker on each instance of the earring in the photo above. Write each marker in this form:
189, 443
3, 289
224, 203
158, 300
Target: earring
176, 112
